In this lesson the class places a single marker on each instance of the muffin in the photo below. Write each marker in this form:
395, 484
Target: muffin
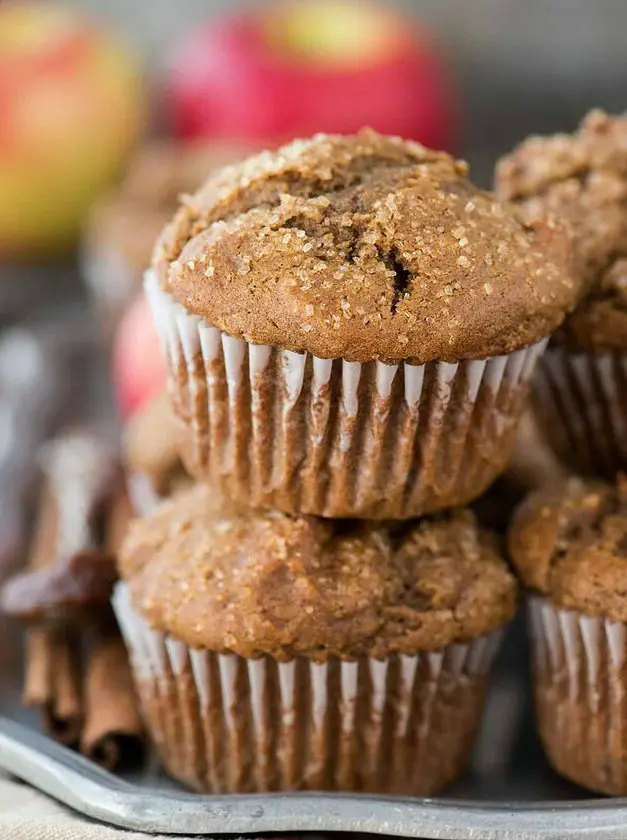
580, 393
284, 653
568, 543
122, 226
154, 470
350, 327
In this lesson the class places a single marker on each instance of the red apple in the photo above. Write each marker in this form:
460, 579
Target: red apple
70, 108
138, 366
302, 66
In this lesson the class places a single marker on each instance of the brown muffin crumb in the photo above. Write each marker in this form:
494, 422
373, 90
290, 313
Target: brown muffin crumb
252, 582
569, 541
365, 247
582, 179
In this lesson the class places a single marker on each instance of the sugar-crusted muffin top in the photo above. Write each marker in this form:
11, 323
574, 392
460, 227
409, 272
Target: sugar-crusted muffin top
259, 582
582, 179
365, 247
569, 541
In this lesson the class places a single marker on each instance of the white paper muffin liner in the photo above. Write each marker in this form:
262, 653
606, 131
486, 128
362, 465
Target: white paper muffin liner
224, 723
331, 437
580, 400
580, 684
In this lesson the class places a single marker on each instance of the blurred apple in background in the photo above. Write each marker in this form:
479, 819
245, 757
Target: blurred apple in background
297, 67
70, 109
138, 366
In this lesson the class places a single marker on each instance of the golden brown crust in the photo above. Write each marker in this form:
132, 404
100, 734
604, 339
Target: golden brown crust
582, 179
365, 247
252, 582
569, 541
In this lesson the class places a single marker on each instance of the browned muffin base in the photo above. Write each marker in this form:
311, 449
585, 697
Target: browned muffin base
580, 695
198, 750
580, 403
400, 462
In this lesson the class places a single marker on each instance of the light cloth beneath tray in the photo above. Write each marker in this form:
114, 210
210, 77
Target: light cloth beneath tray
26, 814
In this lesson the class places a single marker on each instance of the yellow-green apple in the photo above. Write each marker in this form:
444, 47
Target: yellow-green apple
138, 366
70, 109
296, 67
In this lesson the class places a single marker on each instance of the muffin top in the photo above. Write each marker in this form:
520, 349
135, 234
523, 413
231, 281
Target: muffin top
151, 447
259, 582
582, 179
569, 541
365, 247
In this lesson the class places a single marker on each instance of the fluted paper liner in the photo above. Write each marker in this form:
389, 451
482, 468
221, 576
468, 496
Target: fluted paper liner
223, 723
332, 437
580, 400
580, 685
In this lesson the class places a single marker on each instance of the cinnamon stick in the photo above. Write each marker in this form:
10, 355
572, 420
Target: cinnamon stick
84, 513
53, 682
112, 734
70, 570
65, 573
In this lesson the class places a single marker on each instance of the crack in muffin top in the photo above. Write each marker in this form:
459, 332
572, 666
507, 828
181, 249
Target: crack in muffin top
569, 541
232, 579
365, 247
582, 179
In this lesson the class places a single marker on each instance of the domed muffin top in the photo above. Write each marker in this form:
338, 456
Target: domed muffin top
365, 247
569, 541
258, 582
582, 179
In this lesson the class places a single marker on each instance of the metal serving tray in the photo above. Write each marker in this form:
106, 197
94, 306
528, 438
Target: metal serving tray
508, 793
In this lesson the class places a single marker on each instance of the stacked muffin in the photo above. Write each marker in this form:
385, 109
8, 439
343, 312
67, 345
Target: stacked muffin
350, 329
568, 541
580, 394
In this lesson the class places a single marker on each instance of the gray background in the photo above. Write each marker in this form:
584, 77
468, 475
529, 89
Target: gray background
522, 65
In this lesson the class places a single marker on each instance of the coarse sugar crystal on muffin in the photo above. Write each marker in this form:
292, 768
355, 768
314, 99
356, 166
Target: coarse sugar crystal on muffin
568, 543
274, 652
151, 455
351, 325
580, 394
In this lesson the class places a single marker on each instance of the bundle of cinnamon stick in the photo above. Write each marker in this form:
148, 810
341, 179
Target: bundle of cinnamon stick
77, 671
